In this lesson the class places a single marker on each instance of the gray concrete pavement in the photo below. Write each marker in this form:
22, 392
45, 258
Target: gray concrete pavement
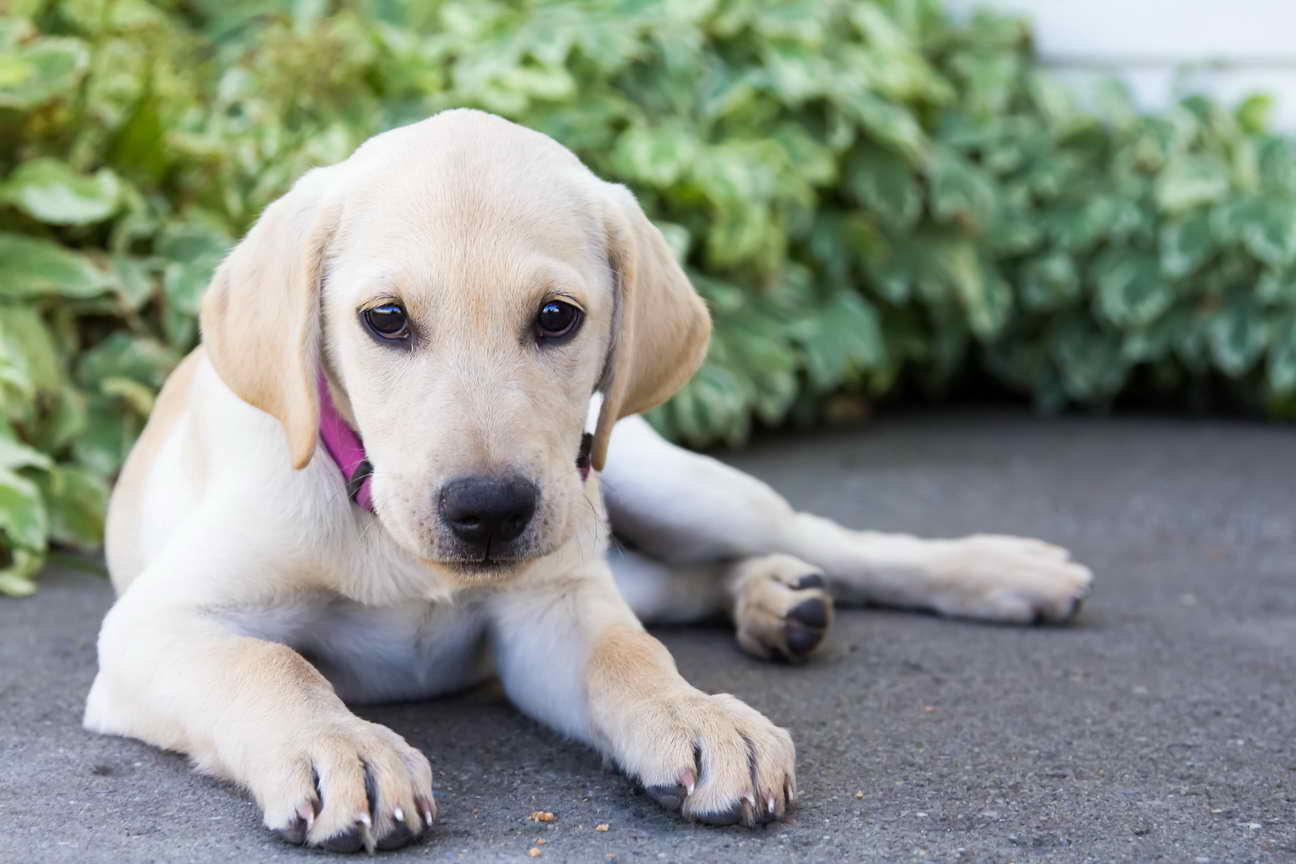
1161, 727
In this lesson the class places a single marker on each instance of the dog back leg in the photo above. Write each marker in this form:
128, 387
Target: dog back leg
681, 507
779, 605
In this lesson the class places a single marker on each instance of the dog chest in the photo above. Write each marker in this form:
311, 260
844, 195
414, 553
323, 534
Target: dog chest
375, 654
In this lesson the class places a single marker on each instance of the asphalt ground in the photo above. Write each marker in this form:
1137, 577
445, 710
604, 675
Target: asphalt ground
1159, 727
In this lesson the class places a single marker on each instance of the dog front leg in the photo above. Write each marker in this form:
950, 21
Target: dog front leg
257, 713
575, 657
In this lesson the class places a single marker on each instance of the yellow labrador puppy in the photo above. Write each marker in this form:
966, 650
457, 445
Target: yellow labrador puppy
373, 482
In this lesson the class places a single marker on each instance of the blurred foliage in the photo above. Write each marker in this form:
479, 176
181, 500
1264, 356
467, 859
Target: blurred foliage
869, 194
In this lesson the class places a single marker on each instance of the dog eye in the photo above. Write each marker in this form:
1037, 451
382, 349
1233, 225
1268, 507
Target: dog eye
557, 319
387, 321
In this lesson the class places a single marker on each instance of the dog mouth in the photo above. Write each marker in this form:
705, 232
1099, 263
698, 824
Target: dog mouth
487, 561
485, 564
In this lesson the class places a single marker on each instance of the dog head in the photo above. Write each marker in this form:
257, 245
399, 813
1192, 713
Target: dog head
466, 286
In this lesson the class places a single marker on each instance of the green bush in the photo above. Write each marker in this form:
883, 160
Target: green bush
870, 195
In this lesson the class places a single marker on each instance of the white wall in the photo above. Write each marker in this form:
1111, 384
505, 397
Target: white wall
1232, 47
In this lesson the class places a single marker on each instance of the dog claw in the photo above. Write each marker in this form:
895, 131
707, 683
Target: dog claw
399, 836
669, 796
295, 832
428, 809
722, 817
347, 841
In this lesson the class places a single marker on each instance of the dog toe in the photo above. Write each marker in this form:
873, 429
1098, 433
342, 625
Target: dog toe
812, 612
802, 641
809, 580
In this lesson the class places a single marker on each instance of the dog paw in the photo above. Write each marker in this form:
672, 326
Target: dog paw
714, 759
782, 609
346, 787
1018, 580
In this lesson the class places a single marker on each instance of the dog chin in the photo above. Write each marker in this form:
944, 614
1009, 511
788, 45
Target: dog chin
484, 569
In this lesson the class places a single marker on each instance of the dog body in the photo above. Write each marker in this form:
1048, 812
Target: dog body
420, 287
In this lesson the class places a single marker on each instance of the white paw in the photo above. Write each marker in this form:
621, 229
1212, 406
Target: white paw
713, 758
782, 609
345, 787
996, 577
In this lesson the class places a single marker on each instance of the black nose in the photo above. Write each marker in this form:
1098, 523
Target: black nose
486, 510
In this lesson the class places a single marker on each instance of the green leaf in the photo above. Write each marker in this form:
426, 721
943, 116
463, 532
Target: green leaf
1253, 112
1263, 225
36, 72
1276, 158
14, 454
841, 337
961, 193
1016, 229
30, 363
110, 432
37, 268
989, 78
797, 72
23, 520
1277, 286
1056, 103
182, 287
1190, 181
1131, 290
1186, 243
1281, 369
77, 502
884, 183
1237, 335
133, 281
122, 355
1157, 339
1113, 101
48, 190
1049, 282
136, 395
19, 578
193, 240
811, 160
983, 294
656, 155
1089, 359
61, 420
890, 125
1079, 225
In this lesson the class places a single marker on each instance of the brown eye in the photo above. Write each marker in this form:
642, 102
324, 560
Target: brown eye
557, 320
387, 321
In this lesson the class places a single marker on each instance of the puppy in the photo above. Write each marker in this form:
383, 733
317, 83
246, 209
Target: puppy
378, 478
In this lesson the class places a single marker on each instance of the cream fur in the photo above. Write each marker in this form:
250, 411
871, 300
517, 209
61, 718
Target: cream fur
256, 599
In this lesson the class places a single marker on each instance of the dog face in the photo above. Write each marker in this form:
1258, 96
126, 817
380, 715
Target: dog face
466, 286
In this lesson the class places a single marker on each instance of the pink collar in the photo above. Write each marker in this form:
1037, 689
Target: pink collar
343, 444
348, 453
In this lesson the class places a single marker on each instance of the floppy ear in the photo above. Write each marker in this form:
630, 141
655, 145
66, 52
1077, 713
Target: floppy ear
660, 326
260, 316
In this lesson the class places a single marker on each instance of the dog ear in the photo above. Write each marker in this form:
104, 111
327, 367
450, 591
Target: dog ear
261, 314
660, 326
